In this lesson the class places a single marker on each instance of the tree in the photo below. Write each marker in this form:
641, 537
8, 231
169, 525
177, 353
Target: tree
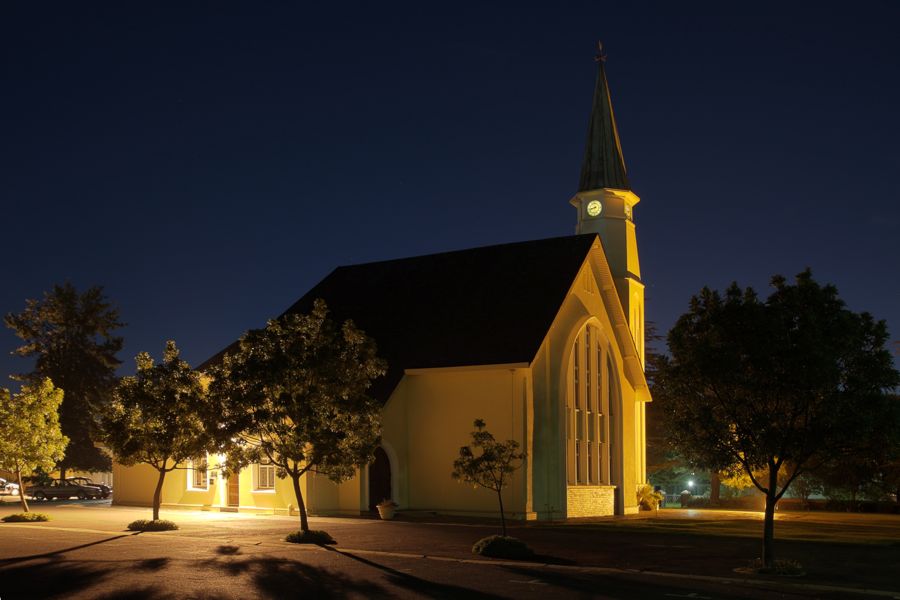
774, 383
296, 393
865, 471
160, 417
30, 436
492, 467
71, 335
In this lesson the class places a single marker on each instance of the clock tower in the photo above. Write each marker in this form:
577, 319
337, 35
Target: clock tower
605, 204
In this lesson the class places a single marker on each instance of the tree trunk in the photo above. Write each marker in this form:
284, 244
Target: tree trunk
21, 490
304, 523
62, 472
502, 516
714, 488
768, 553
157, 494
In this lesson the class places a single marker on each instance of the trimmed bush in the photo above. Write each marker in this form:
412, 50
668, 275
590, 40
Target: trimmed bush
309, 537
499, 546
147, 525
785, 568
28, 517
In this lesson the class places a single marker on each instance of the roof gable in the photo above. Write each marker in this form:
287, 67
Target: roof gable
481, 306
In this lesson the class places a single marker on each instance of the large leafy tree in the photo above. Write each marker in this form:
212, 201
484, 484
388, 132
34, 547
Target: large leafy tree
30, 436
71, 335
868, 471
488, 463
776, 386
160, 417
296, 393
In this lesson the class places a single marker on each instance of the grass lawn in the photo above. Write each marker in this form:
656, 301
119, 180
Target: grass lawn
844, 528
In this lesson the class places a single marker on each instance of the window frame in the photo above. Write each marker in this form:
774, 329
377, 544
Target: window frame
258, 476
196, 466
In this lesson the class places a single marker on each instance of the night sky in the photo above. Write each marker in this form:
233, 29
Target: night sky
209, 163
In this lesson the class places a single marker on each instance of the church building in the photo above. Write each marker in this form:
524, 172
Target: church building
543, 340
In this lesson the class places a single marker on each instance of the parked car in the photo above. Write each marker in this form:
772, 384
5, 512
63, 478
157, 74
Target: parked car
9, 487
63, 489
88, 482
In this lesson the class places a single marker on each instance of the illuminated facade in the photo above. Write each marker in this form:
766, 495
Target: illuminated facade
543, 340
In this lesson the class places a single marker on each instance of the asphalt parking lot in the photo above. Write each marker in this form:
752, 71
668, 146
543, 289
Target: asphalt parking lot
85, 552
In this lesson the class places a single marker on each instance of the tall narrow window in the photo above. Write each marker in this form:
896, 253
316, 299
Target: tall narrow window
579, 414
589, 405
611, 398
600, 408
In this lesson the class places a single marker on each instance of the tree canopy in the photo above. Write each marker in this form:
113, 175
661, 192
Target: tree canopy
30, 436
488, 463
296, 393
161, 417
765, 384
71, 335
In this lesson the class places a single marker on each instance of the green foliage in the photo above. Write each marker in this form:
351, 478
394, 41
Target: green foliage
30, 436
502, 546
154, 525
161, 416
766, 384
873, 470
492, 467
310, 536
28, 517
296, 393
71, 336
647, 498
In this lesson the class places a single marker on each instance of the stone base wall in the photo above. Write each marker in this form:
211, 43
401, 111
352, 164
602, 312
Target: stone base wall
590, 501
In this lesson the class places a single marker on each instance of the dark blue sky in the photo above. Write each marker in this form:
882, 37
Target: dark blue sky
208, 163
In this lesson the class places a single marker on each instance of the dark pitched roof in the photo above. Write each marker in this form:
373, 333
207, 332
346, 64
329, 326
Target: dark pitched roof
603, 165
489, 305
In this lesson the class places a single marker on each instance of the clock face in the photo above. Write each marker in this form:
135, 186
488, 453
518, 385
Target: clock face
594, 207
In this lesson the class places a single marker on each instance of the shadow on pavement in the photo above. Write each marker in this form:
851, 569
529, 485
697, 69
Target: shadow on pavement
50, 579
151, 592
283, 578
592, 585
427, 588
18, 559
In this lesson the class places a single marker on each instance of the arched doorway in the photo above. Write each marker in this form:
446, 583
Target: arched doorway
379, 478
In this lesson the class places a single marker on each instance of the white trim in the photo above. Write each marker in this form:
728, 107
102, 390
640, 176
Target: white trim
255, 479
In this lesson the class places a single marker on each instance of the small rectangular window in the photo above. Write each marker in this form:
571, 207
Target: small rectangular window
265, 475
198, 474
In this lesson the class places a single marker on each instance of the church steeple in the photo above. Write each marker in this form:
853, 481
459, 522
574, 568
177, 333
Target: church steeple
603, 165
605, 205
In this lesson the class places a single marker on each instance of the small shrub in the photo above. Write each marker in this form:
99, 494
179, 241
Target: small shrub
499, 546
787, 568
28, 517
309, 537
147, 525
698, 502
648, 498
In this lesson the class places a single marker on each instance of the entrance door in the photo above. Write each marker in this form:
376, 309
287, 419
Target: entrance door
234, 490
379, 478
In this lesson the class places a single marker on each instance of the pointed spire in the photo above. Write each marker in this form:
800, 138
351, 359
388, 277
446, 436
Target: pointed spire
603, 166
